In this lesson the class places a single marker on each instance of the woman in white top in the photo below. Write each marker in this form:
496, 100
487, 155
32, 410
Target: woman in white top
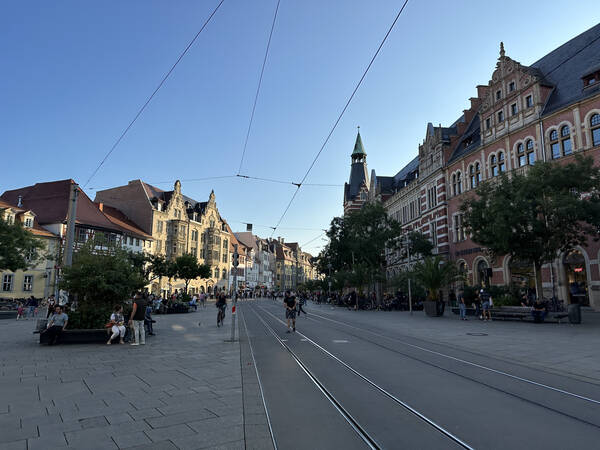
118, 324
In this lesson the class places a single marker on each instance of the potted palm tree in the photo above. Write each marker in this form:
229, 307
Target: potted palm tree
435, 273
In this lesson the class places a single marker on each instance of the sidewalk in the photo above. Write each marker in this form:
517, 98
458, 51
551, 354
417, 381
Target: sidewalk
183, 390
560, 348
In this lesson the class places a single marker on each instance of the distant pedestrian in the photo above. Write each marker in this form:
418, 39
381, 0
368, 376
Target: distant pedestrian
148, 321
32, 305
56, 325
20, 310
137, 320
118, 325
486, 304
194, 303
462, 306
51, 305
290, 310
301, 302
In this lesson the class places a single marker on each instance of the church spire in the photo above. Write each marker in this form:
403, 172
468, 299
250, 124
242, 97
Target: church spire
359, 153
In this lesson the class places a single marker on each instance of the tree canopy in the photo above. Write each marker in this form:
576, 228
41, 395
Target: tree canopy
533, 217
357, 244
187, 268
19, 248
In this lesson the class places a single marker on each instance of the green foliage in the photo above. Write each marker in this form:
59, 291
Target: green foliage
470, 293
357, 244
434, 274
89, 318
187, 268
506, 300
420, 245
532, 217
19, 248
400, 282
102, 275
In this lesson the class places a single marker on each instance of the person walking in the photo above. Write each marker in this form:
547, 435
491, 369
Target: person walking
486, 304
20, 311
118, 325
301, 303
32, 305
56, 325
462, 306
51, 305
137, 320
289, 302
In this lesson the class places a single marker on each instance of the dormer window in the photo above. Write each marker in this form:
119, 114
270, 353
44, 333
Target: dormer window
591, 78
529, 101
511, 86
29, 222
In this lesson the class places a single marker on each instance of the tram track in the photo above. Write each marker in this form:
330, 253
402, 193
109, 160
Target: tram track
361, 430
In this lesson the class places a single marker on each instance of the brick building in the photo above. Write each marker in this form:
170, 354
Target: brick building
549, 110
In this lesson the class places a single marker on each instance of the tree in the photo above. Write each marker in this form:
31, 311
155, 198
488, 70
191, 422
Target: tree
101, 276
533, 217
420, 245
357, 245
434, 274
187, 268
19, 248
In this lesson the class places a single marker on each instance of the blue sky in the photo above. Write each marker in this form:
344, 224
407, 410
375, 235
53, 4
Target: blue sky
76, 72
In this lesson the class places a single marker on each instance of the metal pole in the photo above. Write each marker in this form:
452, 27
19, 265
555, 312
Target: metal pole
409, 292
72, 213
233, 308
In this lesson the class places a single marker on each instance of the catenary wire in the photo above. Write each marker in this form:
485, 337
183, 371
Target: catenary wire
339, 118
262, 71
141, 110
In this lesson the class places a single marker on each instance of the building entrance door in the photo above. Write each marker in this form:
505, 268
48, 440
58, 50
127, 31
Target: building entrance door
576, 276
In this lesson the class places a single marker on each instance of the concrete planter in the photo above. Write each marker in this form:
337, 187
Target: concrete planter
434, 309
95, 336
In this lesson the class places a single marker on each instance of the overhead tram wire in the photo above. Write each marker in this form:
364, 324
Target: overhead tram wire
271, 180
262, 71
299, 185
141, 110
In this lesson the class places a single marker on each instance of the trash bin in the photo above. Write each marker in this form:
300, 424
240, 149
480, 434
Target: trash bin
574, 311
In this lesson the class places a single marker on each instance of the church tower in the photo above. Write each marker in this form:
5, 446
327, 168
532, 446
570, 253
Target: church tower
357, 188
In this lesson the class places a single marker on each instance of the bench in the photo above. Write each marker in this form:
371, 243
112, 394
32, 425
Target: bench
8, 315
93, 336
517, 313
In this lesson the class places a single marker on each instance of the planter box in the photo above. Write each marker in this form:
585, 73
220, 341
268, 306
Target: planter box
434, 309
95, 336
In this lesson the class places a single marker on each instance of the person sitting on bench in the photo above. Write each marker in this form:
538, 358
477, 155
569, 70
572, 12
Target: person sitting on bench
56, 325
538, 311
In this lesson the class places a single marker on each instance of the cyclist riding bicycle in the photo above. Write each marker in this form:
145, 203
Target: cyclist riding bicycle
221, 306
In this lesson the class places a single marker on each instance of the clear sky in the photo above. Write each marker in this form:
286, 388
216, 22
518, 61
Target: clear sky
74, 74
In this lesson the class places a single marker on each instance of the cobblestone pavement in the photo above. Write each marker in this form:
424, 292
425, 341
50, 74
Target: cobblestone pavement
182, 390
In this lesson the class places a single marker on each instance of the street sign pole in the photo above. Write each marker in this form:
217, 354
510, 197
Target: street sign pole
233, 306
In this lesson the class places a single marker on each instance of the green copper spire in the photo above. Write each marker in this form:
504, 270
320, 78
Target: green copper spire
359, 150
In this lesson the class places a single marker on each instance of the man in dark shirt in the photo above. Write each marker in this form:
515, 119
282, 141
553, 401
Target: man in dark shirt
538, 311
289, 302
137, 320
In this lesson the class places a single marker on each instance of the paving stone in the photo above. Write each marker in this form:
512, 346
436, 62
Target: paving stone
92, 438
137, 438
62, 427
170, 433
162, 445
119, 418
93, 422
49, 441
145, 413
17, 434
173, 419
14, 445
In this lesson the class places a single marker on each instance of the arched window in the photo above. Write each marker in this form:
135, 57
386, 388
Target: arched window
561, 146
501, 162
595, 126
530, 152
474, 175
494, 166
217, 272
454, 192
554, 145
565, 139
521, 155
224, 273
459, 182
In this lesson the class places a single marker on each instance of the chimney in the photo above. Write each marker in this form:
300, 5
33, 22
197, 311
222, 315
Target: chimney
20, 201
101, 206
